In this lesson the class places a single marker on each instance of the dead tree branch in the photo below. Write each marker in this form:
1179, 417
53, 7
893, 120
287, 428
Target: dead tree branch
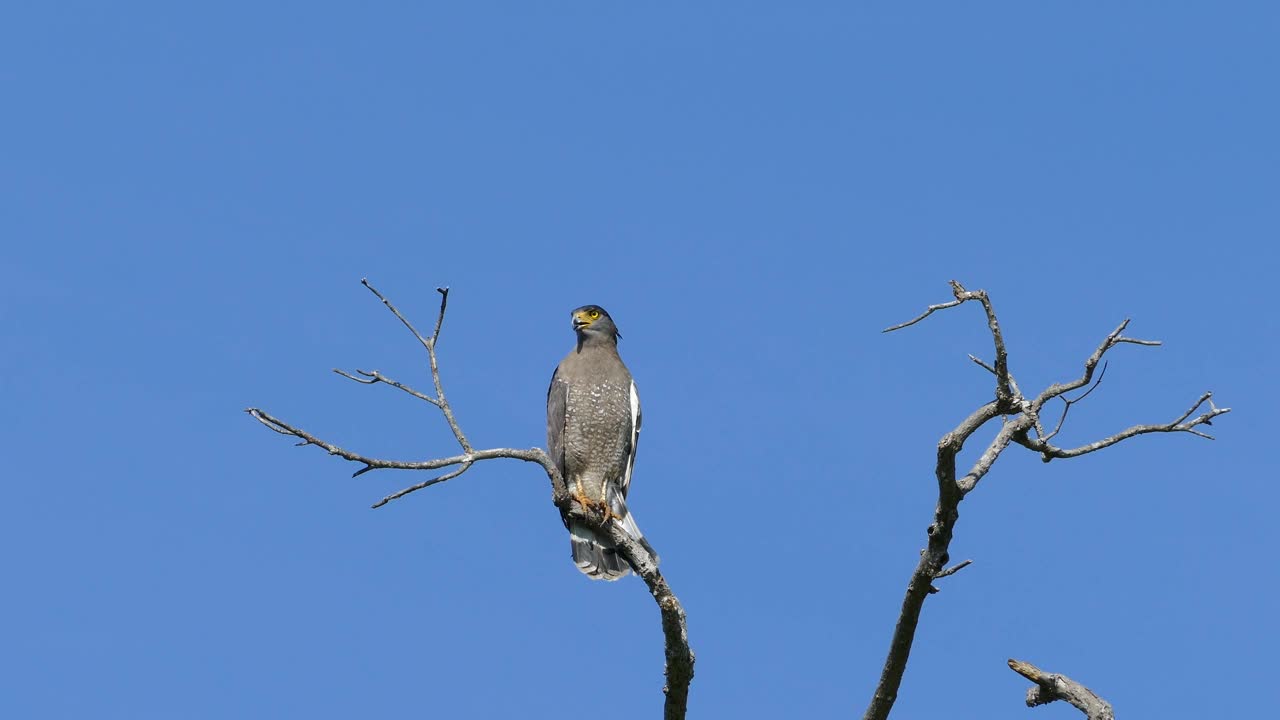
1050, 687
377, 377
679, 656
1021, 418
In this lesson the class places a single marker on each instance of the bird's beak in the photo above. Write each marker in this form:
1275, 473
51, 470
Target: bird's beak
580, 320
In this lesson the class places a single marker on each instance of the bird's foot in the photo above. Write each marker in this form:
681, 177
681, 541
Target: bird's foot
594, 507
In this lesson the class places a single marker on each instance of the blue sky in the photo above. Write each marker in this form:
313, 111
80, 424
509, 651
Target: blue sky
189, 198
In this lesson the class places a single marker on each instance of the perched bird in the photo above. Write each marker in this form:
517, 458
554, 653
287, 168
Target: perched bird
593, 424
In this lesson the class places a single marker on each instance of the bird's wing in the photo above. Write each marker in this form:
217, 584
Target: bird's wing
634, 442
557, 400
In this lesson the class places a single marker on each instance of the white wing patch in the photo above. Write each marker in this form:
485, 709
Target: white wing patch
635, 437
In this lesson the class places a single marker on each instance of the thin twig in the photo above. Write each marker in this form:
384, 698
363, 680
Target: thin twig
444, 302
1048, 451
1068, 402
1013, 384
442, 402
953, 569
1051, 686
377, 377
982, 364
362, 381
928, 311
426, 483
392, 308
533, 455
1111, 340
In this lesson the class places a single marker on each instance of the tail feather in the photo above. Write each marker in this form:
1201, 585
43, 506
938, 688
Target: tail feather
597, 556
594, 555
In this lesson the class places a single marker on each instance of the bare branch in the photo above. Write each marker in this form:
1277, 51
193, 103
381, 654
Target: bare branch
953, 569
679, 656
1112, 339
1214, 411
377, 377
1004, 391
928, 311
425, 342
982, 364
426, 483
675, 631
1050, 687
1135, 341
362, 381
1068, 402
442, 402
1049, 452
992, 453
1059, 388
1013, 384
1024, 416
932, 560
444, 303
533, 455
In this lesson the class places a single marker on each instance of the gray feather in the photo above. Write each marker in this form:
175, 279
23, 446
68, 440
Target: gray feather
594, 555
556, 396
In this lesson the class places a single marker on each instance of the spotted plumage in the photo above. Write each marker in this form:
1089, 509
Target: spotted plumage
593, 426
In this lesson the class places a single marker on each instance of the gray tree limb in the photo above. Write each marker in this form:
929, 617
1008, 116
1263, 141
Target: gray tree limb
1050, 687
1021, 425
679, 655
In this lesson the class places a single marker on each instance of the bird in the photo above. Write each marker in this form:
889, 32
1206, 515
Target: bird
593, 426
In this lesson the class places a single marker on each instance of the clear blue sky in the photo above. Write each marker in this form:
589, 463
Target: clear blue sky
189, 197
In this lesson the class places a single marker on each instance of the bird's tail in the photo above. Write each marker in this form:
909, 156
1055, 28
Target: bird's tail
596, 555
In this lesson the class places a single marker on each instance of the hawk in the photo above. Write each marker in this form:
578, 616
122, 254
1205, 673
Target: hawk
593, 424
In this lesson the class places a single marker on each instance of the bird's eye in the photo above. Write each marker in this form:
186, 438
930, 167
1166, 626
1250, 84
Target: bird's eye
594, 314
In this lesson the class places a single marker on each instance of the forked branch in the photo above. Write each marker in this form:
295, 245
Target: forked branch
1021, 425
679, 656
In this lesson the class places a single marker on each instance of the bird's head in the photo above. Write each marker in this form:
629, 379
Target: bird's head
591, 322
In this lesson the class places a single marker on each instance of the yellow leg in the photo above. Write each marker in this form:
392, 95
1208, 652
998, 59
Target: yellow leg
589, 503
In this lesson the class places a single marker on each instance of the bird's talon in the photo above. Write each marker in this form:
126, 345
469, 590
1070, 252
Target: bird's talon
592, 507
